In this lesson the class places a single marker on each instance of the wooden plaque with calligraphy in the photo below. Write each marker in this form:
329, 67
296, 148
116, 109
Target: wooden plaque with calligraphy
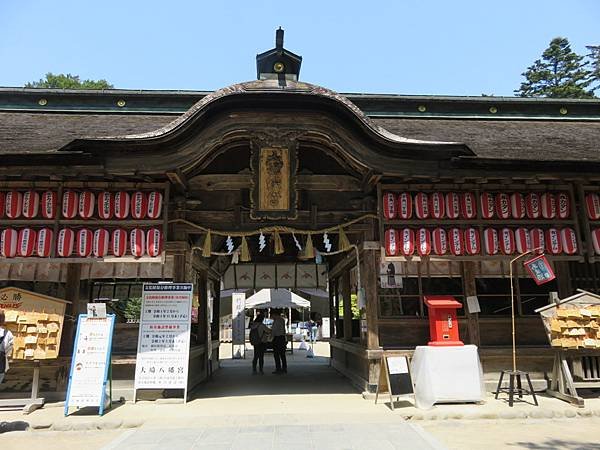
274, 183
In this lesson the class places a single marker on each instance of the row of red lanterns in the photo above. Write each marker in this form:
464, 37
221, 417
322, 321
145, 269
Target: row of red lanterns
120, 205
456, 241
454, 205
83, 243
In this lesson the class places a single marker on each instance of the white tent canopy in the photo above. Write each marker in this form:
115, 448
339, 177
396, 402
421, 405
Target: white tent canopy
276, 298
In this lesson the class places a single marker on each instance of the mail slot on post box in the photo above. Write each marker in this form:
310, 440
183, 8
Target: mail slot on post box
443, 326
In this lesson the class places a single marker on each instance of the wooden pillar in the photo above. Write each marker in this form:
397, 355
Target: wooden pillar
346, 295
76, 307
563, 279
332, 289
369, 269
470, 289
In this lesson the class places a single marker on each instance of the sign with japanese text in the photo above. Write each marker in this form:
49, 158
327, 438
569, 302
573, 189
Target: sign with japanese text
238, 325
540, 270
164, 338
90, 363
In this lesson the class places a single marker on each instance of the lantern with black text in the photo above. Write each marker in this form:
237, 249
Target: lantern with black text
87, 202
389, 205
118, 242
490, 240
439, 241
65, 242
84, 242
106, 205
523, 240
502, 205
26, 242
405, 205
154, 204
553, 242
532, 205
538, 240
154, 242
48, 204
69, 204
421, 205
101, 243
548, 205
391, 242
139, 205
31, 204
137, 242
563, 206
517, 205
44, 242
13, 204
457, 246
8, 242
568, 240
472, 241
487, 205
436, 205
443, 323
592, 203
408, 242
468, 208
423, 242
121, 205
452, 205
507, 241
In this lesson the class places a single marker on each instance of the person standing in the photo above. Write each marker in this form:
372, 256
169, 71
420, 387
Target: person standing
279, 343
6, 346
259, 336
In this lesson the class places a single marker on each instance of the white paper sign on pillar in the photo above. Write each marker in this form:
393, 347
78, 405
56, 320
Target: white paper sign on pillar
164, 337
238, 338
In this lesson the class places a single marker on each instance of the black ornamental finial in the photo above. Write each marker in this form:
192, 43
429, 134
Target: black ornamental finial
279, 39
278, 63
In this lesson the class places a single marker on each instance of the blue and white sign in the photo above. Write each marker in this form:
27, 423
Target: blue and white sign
540, 270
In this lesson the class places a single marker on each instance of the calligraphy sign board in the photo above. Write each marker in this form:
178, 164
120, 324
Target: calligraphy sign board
90, 362
164, 338
238, 329
394, 378
540, 270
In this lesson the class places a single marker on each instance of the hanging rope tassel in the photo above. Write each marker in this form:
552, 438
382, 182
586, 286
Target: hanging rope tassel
344, 243
206, 248
278, 244
245, 255
309, 250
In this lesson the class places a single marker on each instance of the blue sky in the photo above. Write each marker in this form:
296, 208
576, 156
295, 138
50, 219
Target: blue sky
404, 47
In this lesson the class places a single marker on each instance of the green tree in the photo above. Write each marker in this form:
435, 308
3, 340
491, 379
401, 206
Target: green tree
594, 57
68, 81
560, 73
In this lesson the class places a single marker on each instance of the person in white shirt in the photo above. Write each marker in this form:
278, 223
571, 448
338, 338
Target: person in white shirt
6, 346
279, 343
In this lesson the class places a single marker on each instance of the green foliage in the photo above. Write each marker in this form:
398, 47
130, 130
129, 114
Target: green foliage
128, 309
560, 73
594, 57
68, 81
353, 306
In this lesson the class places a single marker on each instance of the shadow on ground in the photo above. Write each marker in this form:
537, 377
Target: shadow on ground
556, 444
17, 425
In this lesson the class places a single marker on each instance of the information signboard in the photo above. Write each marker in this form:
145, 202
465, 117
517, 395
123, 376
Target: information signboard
164, 338
238, 331
540, 270
90, 362
394, 377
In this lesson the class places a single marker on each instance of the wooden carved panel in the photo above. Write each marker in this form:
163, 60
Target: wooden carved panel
274, 183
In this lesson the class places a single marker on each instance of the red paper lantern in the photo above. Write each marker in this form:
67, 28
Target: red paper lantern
517, 205
507, 241
468, 209
502, 205
548, 202
391, 242
389, 205
154, 242
87, 202
596, 240
523, 240
85, 240
121, 205
69, 205
49, 205
490, 238
424, 242
452, 205
472, 241
118, 242
137, 244
592, 203
487, 205
553, 242
405, 205
421, 206
8, 242
440, 241
14, 204
457, 246
101, 243
408, 242
436, 205
563, 205
139, 205
31, 204
65, 242
2, 204
568, 239
26, 244
44, 242
532, 205
154, 204
537, 240
106, 205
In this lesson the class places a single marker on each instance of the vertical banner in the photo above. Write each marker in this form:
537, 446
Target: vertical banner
238, 331
164, 339
90, 362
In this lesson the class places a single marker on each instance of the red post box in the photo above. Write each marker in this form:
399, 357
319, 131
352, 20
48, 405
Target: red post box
443, 326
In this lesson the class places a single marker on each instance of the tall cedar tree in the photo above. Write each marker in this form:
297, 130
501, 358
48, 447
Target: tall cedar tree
561, 73
68, 81
594, 57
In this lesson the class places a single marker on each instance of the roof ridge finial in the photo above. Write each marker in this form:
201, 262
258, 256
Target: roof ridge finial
279, 39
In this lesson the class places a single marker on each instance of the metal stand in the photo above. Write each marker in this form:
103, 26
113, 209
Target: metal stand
27, 404
515, 375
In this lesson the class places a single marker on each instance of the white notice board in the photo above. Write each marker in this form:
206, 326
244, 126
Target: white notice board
238, 324
90, 362
164, 338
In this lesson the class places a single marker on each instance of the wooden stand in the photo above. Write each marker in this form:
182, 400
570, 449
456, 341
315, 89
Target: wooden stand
401, 385
515, 376
585, 367
27, 404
